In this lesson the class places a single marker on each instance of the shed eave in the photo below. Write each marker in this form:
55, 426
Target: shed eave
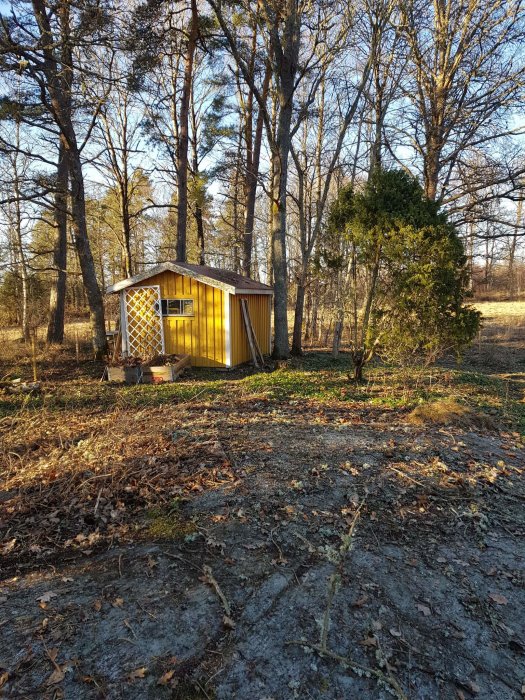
240, 290
168, 267
181, 270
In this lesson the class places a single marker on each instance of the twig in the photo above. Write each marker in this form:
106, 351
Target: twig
281, 558
202, 689
336, 576
130, 628
208, 575
322, 648
147, 612
352, 665
98, 501
179, 558
398, 471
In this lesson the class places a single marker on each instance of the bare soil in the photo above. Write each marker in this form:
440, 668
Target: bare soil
242, 543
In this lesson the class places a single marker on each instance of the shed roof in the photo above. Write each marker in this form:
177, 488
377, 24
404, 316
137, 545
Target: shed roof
213, 276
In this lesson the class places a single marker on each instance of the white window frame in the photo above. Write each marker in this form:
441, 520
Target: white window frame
182, 300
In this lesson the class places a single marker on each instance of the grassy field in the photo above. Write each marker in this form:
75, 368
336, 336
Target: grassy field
490, 378
172, 541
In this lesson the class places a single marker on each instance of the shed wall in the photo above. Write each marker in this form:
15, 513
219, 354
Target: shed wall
201, 336
259, 306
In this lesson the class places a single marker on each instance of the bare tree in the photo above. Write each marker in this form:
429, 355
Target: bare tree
44, 43
466, 75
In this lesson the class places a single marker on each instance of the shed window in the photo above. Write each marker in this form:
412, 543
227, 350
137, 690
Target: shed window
177, 307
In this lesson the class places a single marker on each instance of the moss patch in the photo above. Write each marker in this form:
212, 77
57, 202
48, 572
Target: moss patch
169, 525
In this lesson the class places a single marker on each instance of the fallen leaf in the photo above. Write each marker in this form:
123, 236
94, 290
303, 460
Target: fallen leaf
394, 632
56, 677
458, 634
498, 598
165, 678
138, 673
53, 653
360, 601
118, 602
424, 609
97, 605
473, 687
4, 677
228, 622
369, 641
46, 597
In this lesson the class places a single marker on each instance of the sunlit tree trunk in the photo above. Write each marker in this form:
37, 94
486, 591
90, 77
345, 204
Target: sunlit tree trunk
182, 144
57, 295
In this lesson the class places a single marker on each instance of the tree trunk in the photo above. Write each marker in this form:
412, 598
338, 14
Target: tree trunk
127, 257
280, 271
280, 157
182, 145
251, 184
85, 257
431, 171
59, 79
338, 331
24, 273
57, 295
512, 252
358, 362
299, 316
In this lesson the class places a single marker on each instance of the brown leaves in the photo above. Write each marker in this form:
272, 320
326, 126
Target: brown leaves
166, 677
7, 547
58, 674
138, 673
498, 598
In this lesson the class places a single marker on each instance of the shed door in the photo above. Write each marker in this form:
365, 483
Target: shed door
144, 321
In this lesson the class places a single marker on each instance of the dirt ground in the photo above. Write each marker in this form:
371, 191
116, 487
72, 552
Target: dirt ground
265, 538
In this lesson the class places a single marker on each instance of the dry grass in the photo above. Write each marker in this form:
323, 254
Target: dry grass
499, 309
503, 320
72, 329
449, 412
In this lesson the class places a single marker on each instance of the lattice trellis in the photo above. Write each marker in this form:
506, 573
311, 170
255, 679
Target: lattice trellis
144, 321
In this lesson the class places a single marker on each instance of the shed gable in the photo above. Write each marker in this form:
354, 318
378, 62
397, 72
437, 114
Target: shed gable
203, 335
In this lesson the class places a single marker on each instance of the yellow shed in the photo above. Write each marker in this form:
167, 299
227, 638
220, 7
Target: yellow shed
181, 308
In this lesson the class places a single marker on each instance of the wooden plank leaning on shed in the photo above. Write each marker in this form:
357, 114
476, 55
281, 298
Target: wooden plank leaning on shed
258, 359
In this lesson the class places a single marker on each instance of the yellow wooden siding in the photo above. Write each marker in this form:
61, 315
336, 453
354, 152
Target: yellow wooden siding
201, 336
259, 306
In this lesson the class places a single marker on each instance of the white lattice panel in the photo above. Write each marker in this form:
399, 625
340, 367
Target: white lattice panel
144, 321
